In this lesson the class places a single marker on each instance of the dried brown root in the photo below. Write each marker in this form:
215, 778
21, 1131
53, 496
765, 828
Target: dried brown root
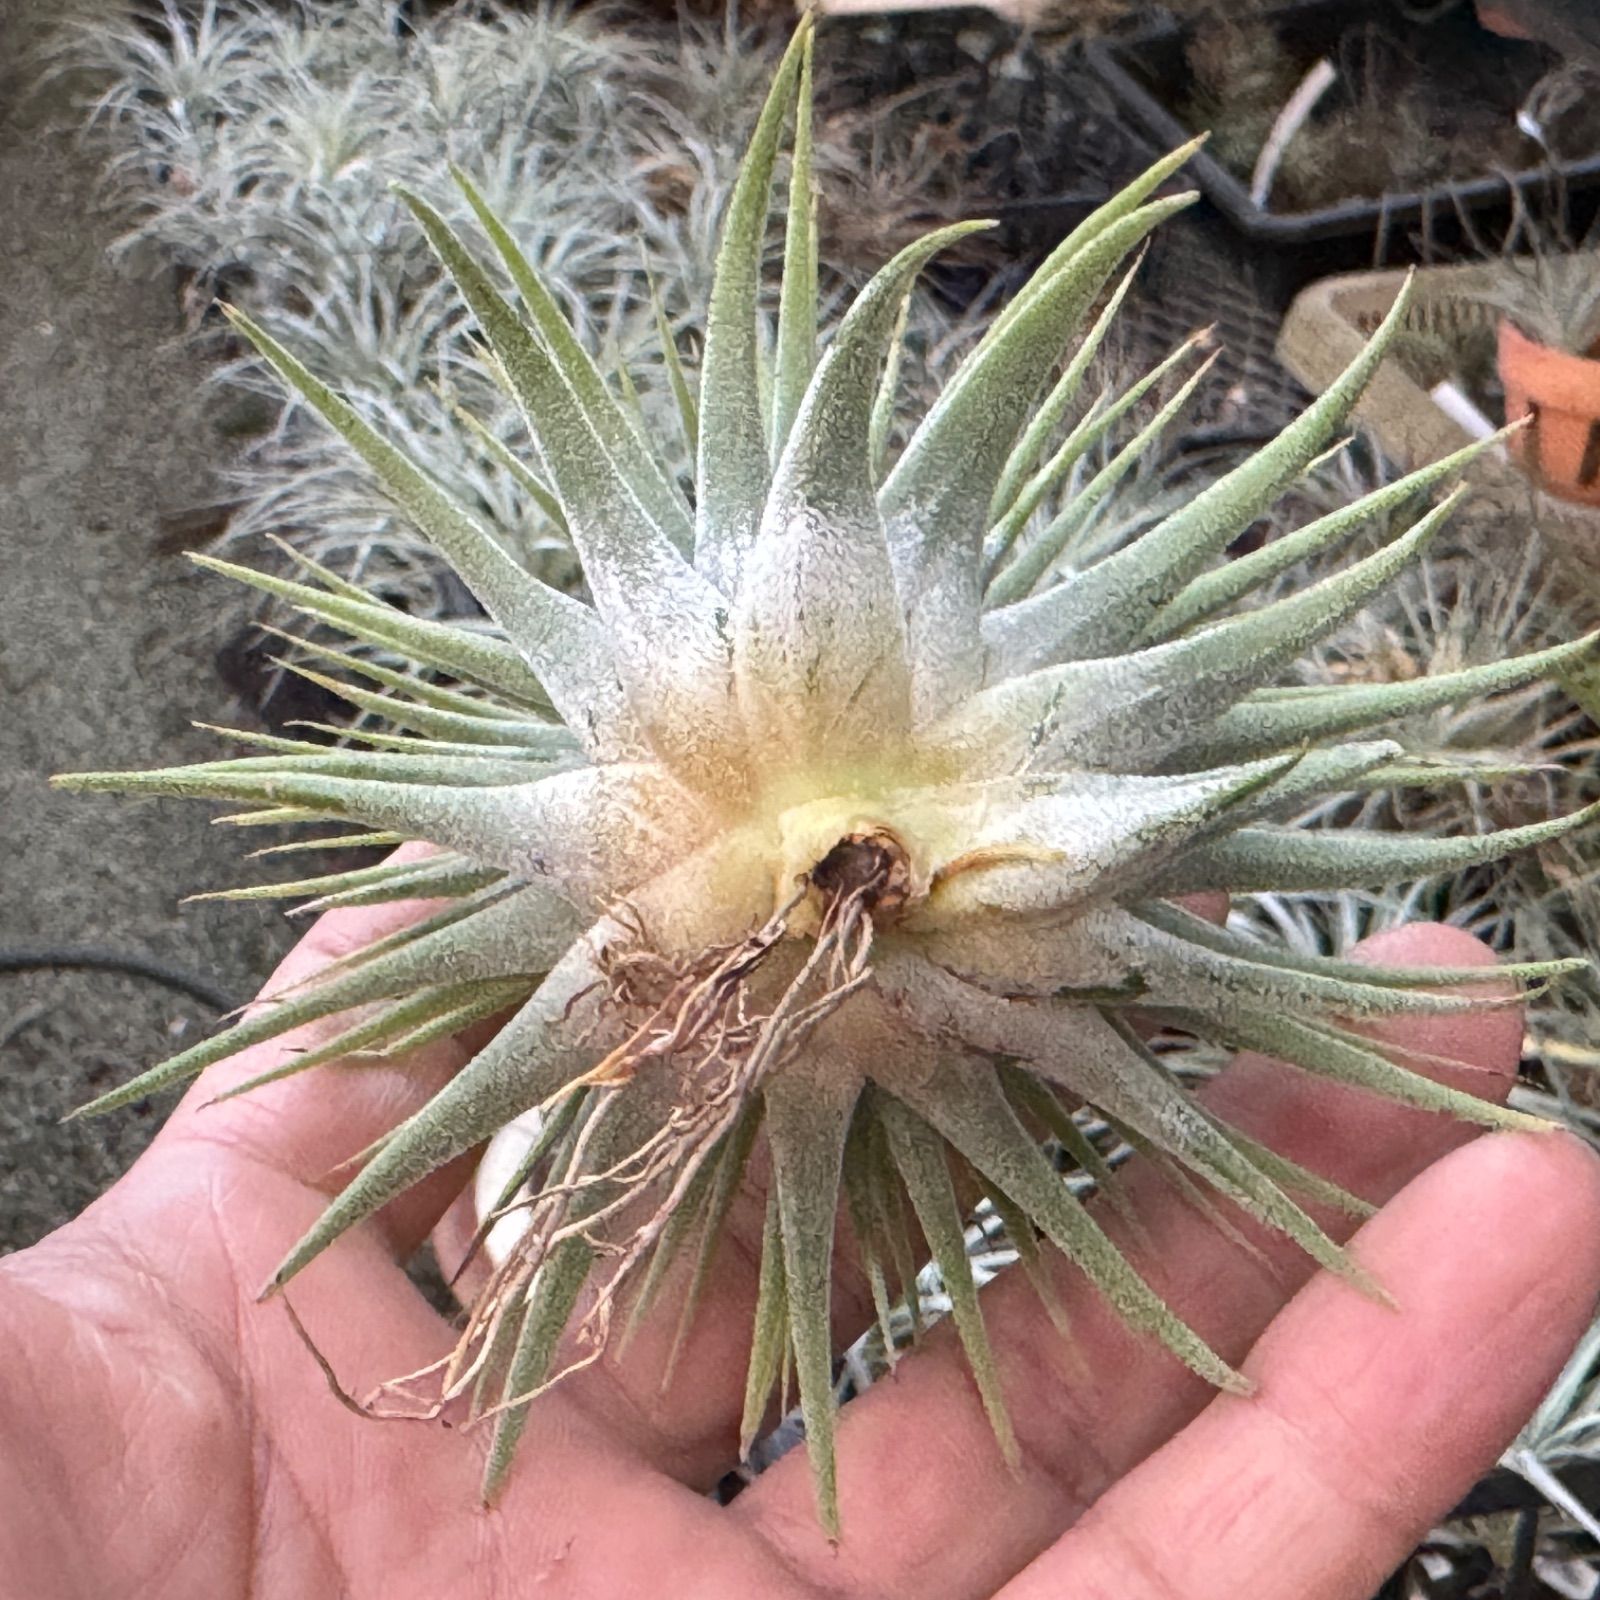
701, 1025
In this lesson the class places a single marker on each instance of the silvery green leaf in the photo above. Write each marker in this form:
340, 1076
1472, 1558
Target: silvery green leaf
667, 626
819, 643
1257, 725
732, 472
807, 1125
1019, 575
646, 481
1107, 608
472, 657
1135, 711
1216, 590
1024, 460
796, 354
970, 1110
561, 640
936, 498
1297, 860
520, 934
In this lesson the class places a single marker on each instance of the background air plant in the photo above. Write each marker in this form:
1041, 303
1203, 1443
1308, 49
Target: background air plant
845, 815
1552, 294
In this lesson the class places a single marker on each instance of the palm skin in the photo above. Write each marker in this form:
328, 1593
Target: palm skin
161, 1434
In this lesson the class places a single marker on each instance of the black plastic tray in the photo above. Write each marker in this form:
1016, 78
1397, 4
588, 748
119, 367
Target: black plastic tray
1146, 74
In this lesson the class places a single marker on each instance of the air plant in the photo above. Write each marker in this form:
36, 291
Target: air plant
1552, 295
845, 817
1242, 74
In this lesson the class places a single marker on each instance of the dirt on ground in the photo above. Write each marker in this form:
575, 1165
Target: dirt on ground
108, 640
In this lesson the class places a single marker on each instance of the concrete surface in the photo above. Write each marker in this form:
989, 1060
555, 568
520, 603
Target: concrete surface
107, 646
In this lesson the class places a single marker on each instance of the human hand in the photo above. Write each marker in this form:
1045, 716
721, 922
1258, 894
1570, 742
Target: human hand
162, 1434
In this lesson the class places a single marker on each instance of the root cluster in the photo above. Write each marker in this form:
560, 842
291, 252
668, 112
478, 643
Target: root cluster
593, 1177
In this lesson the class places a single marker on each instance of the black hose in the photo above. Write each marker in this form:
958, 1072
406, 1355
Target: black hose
102, 958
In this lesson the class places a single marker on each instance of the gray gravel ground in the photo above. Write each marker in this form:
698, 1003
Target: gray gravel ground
107, 640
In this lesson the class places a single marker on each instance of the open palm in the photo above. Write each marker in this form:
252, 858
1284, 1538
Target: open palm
162, 1434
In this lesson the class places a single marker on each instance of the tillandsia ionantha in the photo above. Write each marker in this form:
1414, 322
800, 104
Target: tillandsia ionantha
843, 817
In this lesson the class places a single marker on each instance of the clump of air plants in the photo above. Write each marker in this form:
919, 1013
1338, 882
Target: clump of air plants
256, 145
844, 816
1086, 16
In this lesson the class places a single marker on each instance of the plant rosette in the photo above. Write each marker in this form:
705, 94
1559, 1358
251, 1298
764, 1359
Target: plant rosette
1560, 451
840, 828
